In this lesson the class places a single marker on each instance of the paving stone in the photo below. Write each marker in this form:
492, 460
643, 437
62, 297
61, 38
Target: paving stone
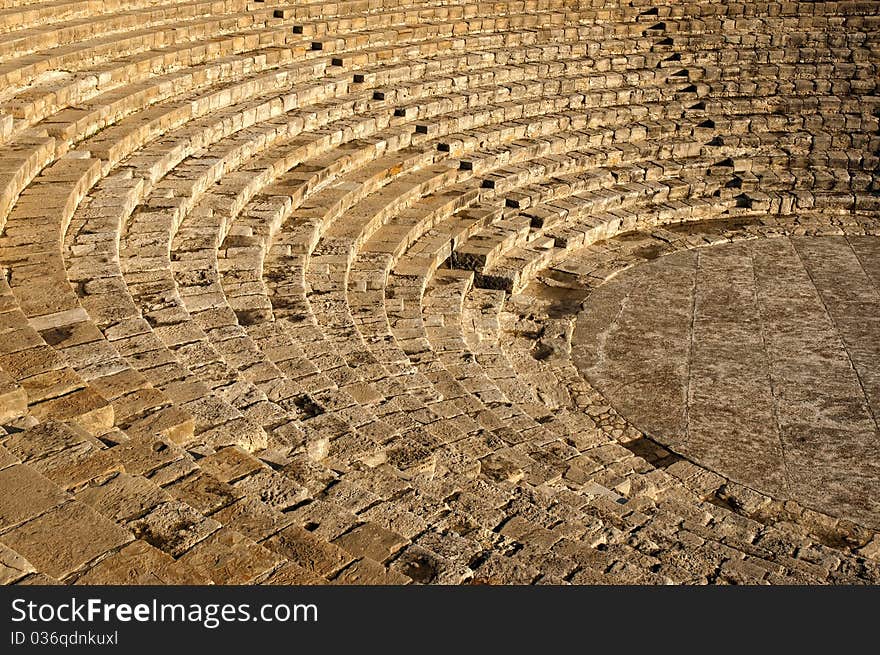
24, 494
13, 398
77, 466
229, 464
144, 456
274, 489
173, 528
44, 439
13, 567
85, 406
302, 547
327, 520
65, 539
293, 574
124, 497
139, 563
228, 557
7, 458
372, 541
498, 569
204, 492
253, 518
369, 572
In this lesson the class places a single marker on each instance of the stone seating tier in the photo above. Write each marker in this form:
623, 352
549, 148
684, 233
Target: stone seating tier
268, 269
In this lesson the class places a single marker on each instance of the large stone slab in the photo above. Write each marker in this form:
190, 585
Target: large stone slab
757, 359
65, 539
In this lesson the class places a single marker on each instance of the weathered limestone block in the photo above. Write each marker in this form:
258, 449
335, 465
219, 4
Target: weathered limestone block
13, 399
25, 495
65, 539
139, 563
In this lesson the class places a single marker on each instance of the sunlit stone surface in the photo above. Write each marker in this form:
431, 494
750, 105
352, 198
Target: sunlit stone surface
759, 359
288, 290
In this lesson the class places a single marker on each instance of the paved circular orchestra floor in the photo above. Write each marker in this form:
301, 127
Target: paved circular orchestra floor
758, 359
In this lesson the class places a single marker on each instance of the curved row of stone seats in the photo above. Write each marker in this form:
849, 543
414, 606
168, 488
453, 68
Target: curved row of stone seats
544, 217
32, 151
568, 221
110, 137
130, 73
532, 358
453, 309
16, 16
76, 461
89, 20
852, 223
187, 203
41, 284
447, 148
96, 66
583, 218
374, 328
69, 398
864, 182
34, 104
51, 388
151, 511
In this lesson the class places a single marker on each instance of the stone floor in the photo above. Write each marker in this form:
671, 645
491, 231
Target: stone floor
430, 292
757, 359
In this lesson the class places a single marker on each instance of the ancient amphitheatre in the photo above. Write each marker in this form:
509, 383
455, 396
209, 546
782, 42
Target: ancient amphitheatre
422, 291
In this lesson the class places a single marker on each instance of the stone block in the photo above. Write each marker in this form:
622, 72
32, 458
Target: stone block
65, 539
25, 494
